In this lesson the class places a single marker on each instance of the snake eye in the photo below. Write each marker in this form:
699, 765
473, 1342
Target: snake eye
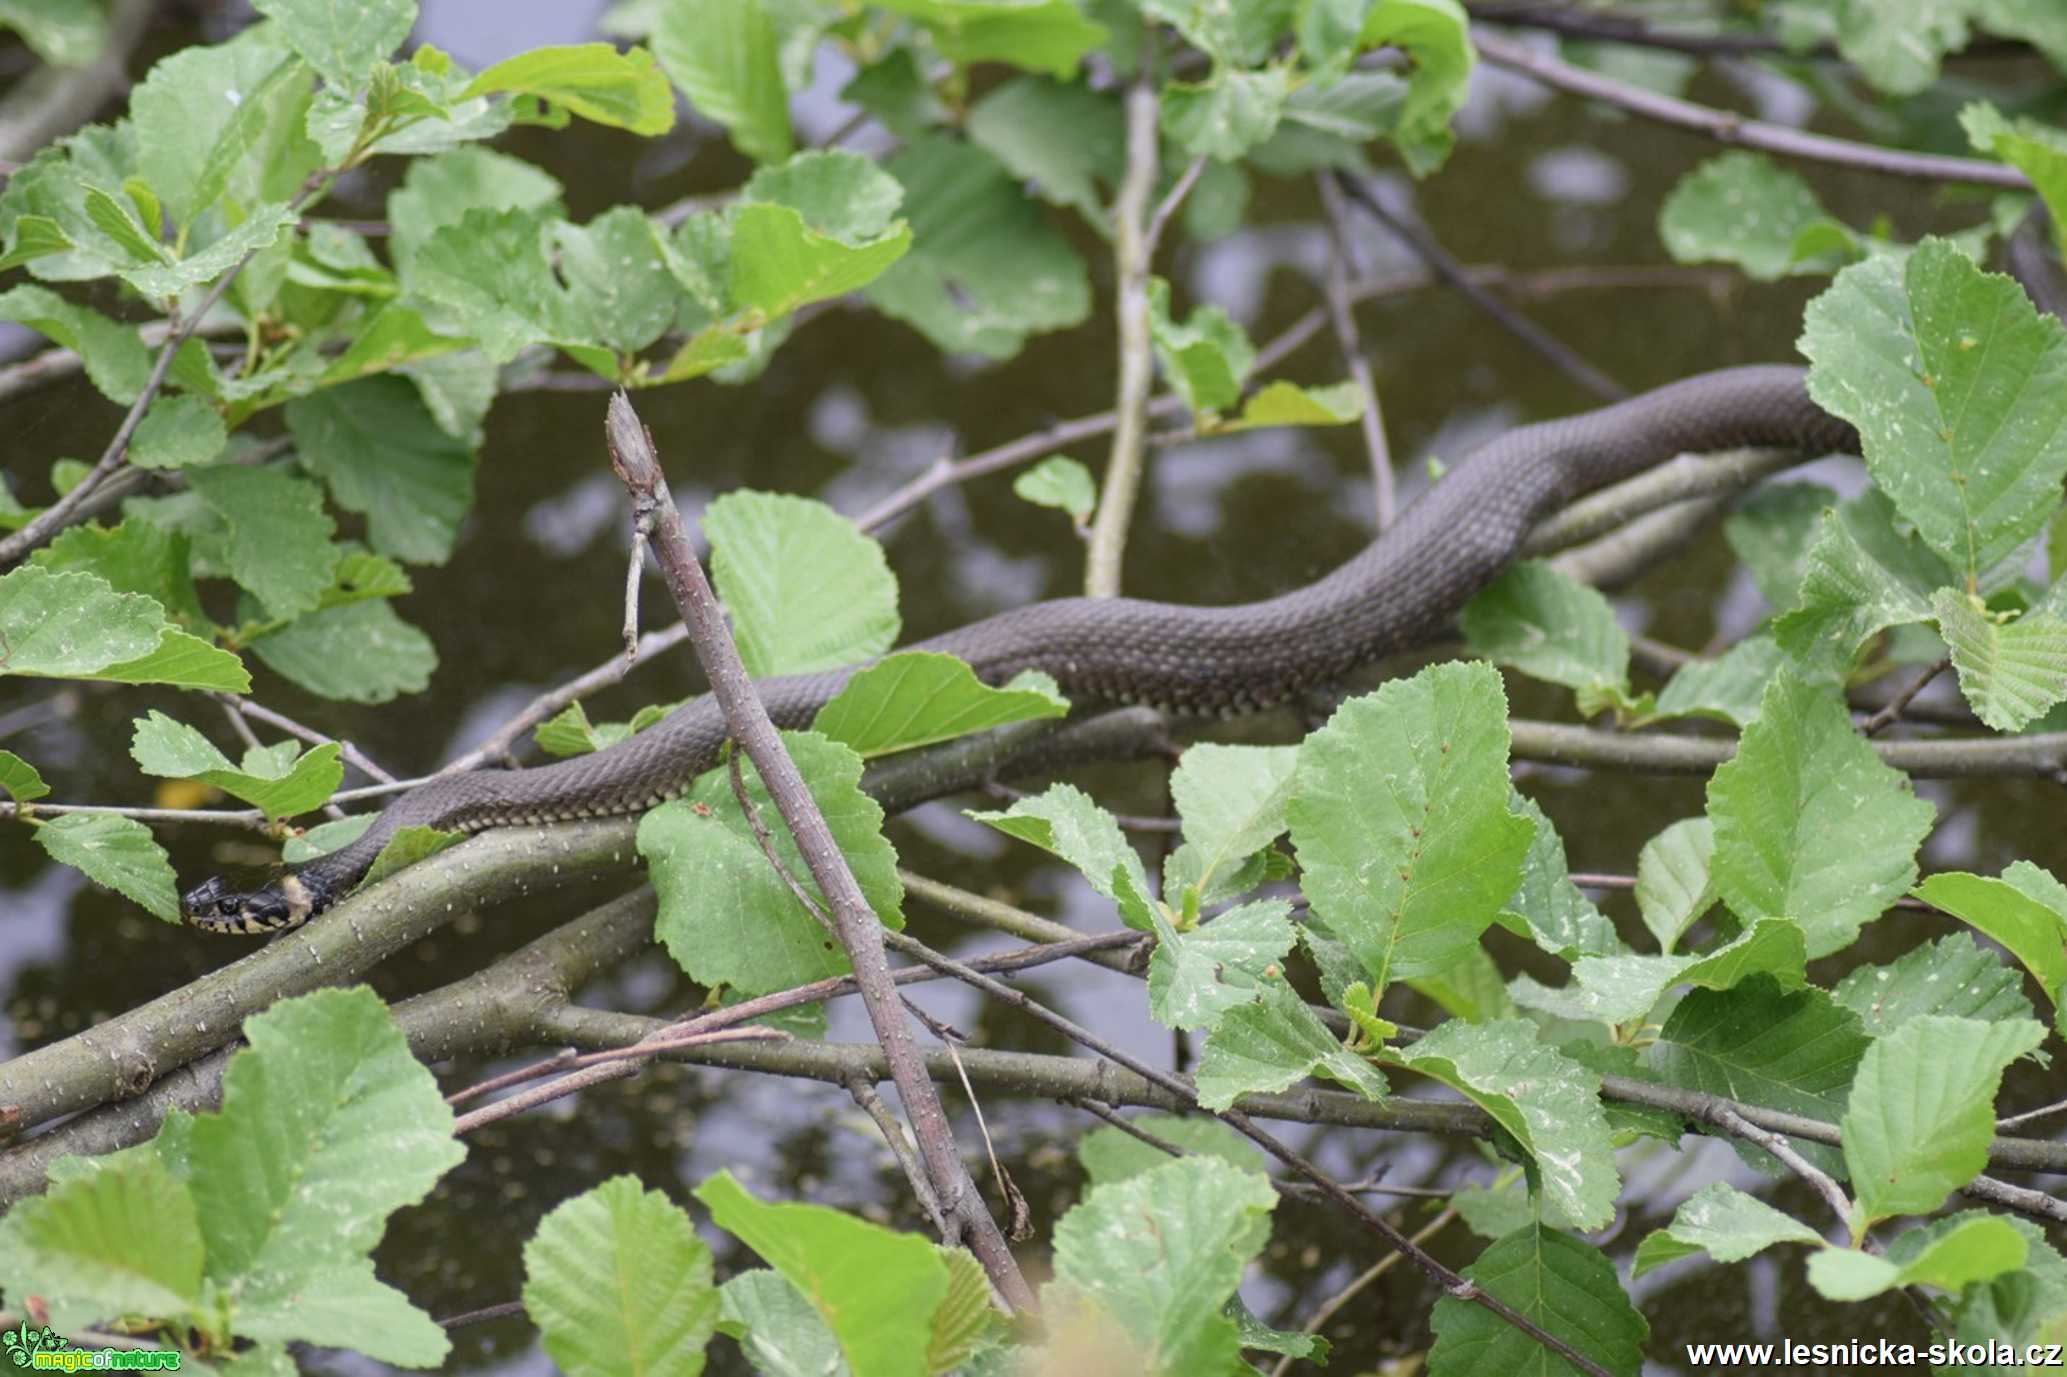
210, 899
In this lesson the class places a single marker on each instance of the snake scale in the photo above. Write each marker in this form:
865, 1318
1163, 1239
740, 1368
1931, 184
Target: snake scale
1402, 590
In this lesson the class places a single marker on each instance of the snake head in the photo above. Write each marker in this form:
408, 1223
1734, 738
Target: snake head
214, 906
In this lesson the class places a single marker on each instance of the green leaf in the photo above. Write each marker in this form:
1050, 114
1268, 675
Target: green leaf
1161, 1253
439, 191
326, 837
1237, 35
1049, 36
190, 115
405, 848
1970, 1250
1400, 820
1546, 906
121, 1238
594, 80
118, 853
1860, 578
342, 42
183, 661
617, 1281
1550, 627
21, 780
1726, 689
259, 230
1549, 1103
1616, 989
1959, 389
62, 32
71, 625
918, 697
1675, 883
34, 237
361, 652
489, 271
1567, 1287
985, 269
618, 284
1740, 208
1953, 975
1232, 800
178, 432
1436, 35
1206, 358
842, 195
805, 589
1809, 823
1195, 977
115, 357
1273, 1042
1227, 114
1793, 1050
1064, 138
1059, 482
725, 915
278, 546
328, 1125
780, 263
1922, 1110
2037, 150
1065, 822
1723, 1222
278, 780
2025, 911
2011, 671
777, 1328
1110, 1154
724, 56
381, 452
1770, 532
134, 557
875, 1289
1288, 404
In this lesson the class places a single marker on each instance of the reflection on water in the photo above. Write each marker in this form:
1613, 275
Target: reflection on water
854, 405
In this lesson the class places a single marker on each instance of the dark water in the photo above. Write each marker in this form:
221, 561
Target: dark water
851, 407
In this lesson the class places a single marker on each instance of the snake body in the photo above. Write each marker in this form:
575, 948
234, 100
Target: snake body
1402, 590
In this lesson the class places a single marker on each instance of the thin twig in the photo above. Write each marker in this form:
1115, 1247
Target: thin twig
1726, 126
1130, 252
613, 1064
632, 455
871, 1102
506, 1310
1168, 206
1554, 351
1342, 268
1896, 706
352, 755
1824, 1185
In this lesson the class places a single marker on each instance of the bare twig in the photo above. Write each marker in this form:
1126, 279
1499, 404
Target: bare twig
1424, 246
353, 756
1168, 206
2042, 754
632, 455
1130, 251
1823, 1184
1342, 267
1892, 711
1729, 127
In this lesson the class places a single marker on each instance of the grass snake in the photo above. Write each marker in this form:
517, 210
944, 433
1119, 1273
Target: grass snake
1402, 590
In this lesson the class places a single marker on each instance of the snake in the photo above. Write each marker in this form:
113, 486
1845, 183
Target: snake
1401, 592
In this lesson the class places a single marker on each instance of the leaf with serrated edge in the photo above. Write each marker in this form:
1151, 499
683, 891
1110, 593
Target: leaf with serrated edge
1161, 1253
1273, 1042
1550, 1104
805, 589
1809, 823
1550, 627
1232, 802
724, 56
2025, 910
2011, 672
328, 1125
1675, 884
916, 698
1546, 906
1112, 1154
1616, 989
1065, 821
875, 1289
118, 853
121, 1237
1958, 386
1195, 977
1922, 1110
617, 1281
1739, 208
1566, 1286
1401, 824
1723, 1222
1971, 1250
